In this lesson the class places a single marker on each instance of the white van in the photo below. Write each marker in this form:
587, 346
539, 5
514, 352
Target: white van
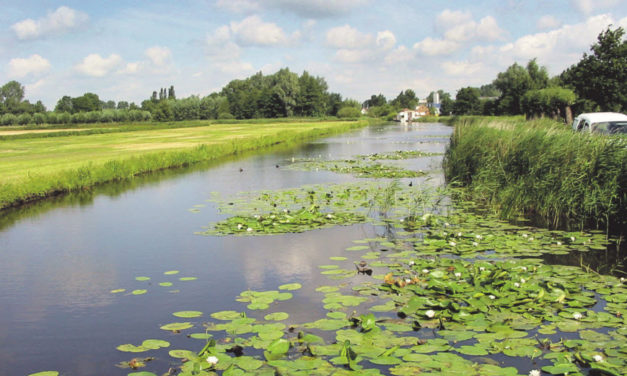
601, 122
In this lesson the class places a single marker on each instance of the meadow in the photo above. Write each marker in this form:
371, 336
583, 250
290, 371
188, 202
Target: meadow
35, 164
540, 168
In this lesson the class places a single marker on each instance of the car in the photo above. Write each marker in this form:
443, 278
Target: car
601, 122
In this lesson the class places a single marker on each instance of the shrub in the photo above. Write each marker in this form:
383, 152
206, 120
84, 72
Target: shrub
24, 119
64, 118
39, 118
52, 118
8, 119
348, 112
79, 117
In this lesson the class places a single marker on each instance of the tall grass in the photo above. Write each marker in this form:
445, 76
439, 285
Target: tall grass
541, 168
40, 185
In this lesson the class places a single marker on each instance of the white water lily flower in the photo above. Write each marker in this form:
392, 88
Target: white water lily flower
572, 238
516, 284
407, 280
622, 279
257, 216
559, 243
329, 216
577, 315
597, 358
458, 274
459, 234
425, 271
530, 239
284, 210
430, 313
412, 263
481, 269
453, 244
212, 360
492, 297
249, 229
239, 226
475, 244
522, 280
524, 235
402, 220
534, 372
479, 237
524, 268
446, 224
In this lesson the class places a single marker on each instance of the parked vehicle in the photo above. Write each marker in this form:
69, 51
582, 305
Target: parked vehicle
601, 122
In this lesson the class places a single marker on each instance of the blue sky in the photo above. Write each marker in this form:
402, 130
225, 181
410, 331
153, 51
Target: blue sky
127, 49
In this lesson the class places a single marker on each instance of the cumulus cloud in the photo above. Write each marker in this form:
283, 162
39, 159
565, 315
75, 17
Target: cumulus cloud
458, 28
303, 8
61, 20
461, 68
436, 47
33, 65
159, 56
386, 39
548, 22
252, 31
561, 47
95, 65
348, 37
588, 7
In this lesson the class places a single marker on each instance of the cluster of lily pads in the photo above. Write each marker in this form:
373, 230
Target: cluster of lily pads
318, 206
362, 168
147, 280
397, 155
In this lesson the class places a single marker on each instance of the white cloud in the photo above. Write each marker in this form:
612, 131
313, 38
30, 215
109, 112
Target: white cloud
561, 47
348, 38
95, 65
449, 17
588, 7
303, 8
61, 20
436, 47
386, 39
252, 31
131, 68
461, 68
486, 29
33, 65
548, 22
159, 56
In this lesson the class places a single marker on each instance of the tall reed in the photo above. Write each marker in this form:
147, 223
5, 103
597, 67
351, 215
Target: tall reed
541, 168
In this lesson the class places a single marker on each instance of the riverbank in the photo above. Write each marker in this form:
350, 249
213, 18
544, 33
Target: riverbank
540, 169
34, 168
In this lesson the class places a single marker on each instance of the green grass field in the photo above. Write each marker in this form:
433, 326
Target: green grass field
31, 168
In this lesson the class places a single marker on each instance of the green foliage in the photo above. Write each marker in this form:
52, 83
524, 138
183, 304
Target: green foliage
599, 79
467, 102
348, 112
11, 95
405, 99
541, 168
86, 102
547, 101
8, 119
24, 119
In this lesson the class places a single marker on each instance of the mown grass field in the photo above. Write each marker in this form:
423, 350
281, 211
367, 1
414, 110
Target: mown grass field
41, 165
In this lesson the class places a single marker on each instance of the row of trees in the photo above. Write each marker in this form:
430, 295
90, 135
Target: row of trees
595, 83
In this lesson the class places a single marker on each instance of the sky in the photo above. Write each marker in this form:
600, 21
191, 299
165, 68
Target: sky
128, 49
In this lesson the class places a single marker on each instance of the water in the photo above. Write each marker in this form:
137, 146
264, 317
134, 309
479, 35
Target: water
60, 258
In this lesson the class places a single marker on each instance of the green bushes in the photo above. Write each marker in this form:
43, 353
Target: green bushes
348, 112
541, 168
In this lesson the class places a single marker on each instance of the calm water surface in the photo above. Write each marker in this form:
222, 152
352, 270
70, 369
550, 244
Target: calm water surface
59, 259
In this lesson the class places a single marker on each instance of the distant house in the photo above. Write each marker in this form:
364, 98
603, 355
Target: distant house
407, 115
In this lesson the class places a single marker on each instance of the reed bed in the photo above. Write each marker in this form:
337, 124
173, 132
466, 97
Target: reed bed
542, 169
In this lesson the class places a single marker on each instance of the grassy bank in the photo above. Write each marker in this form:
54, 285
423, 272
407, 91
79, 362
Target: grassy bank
33, 168
541, 168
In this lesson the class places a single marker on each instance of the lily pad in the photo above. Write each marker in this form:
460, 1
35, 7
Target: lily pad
276, 316
139, 292
187, 314
290, 286
176, 326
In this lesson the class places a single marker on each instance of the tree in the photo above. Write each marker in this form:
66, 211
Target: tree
108, 105
405, 99
11, 95
538, 75
599, 78
467, 102
122, 105
375, 101
553, 102
311, 100
334, 103
171, 94
85, 103
153, 98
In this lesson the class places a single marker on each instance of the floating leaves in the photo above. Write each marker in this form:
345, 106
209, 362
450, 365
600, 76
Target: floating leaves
187, 314
177, 326
139, 292
290, 286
